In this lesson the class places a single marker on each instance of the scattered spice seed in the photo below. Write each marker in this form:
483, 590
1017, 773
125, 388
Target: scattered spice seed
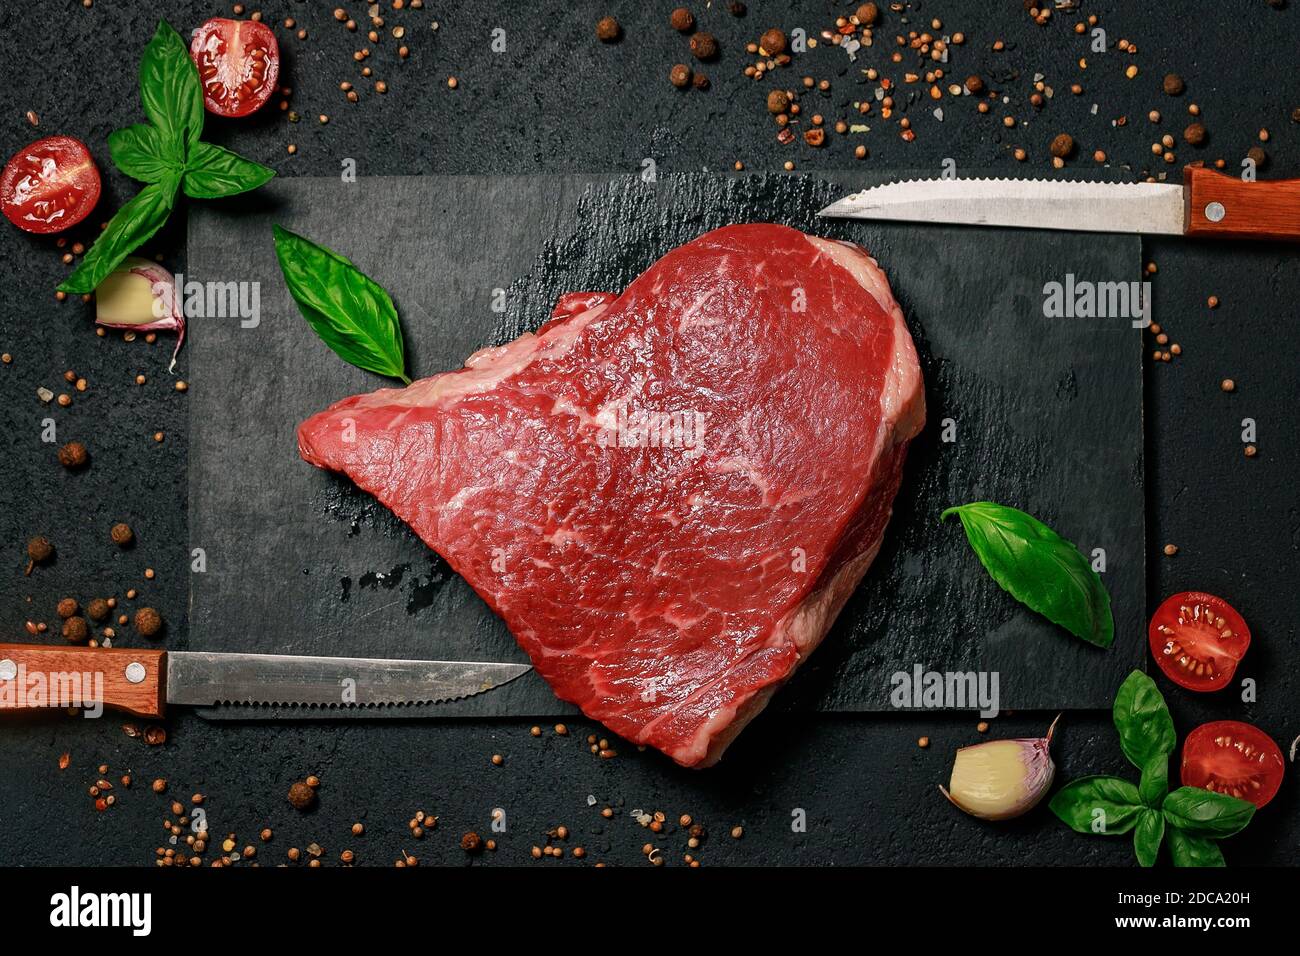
737, 832
1228, 385
704, 46
122, 534
1250, 451
358, 829
1170, 550
561, 730
73, 455
301, 796
1062, 146
608, 30
923, 742
498, 760
159, 785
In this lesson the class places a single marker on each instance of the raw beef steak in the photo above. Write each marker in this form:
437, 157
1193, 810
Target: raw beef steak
667, 494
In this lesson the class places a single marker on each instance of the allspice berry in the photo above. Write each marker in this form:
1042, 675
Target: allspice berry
701, 82
76, 630
122, 534
98, 609
148, 622
778, 101
704, 46
680, 75
608, 30
868, 14
471, 842
301, 796
68, 607
1173, 84
1194, 134
73, 455
682, 20
39, 549
1062, 146
772, 42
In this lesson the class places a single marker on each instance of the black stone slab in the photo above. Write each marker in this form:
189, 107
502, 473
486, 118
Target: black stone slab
1046, 412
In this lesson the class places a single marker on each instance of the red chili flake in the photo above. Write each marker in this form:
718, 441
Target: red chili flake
64, 760
786, 136
847, 29
101, 804
155, 736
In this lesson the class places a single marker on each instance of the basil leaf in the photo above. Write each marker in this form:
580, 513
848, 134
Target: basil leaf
139, 152
1188, 850
134, 224
170, 91
213, 172
1147, 836
1205, 813
1106, 806
1142, 719
1039, 568
1155, 781
350, 312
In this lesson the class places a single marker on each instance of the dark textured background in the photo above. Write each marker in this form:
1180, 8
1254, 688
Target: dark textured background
557, 101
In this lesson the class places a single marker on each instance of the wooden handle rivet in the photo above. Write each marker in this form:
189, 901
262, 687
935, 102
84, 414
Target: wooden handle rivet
135, 672
8, 669
1215, 212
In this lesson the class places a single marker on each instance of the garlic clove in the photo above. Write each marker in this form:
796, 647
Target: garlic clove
1001, 779
140, 295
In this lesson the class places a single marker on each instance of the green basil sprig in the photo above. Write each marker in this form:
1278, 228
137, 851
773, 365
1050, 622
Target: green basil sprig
1039, 568
1189, 819
350, 312
167, 155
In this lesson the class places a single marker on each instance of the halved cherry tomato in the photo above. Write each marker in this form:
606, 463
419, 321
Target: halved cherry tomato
1230, 757
1197, 639
238, 63
50, 185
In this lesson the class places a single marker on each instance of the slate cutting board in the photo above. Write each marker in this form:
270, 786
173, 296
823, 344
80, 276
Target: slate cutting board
1047, 416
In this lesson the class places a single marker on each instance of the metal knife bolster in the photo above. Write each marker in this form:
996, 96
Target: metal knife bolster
274, 680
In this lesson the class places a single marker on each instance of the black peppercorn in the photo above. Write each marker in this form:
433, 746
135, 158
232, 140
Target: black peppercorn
122, 534
39, 550
1194, 134
98, 609
680, 75
471, 842
682, 20
1173, 84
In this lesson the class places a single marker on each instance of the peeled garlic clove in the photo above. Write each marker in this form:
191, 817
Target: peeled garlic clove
1002, 779
141, 296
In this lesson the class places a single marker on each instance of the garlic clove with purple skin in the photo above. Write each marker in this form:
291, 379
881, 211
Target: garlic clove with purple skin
1002, 779
140, 295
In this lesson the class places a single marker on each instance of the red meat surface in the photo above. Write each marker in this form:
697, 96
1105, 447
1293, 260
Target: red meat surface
667, 494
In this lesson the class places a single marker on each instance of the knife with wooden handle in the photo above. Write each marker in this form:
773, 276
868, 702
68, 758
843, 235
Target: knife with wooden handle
144, 682
1208, 204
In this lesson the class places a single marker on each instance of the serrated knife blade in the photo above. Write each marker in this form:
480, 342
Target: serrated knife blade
1026, 203
337, 684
